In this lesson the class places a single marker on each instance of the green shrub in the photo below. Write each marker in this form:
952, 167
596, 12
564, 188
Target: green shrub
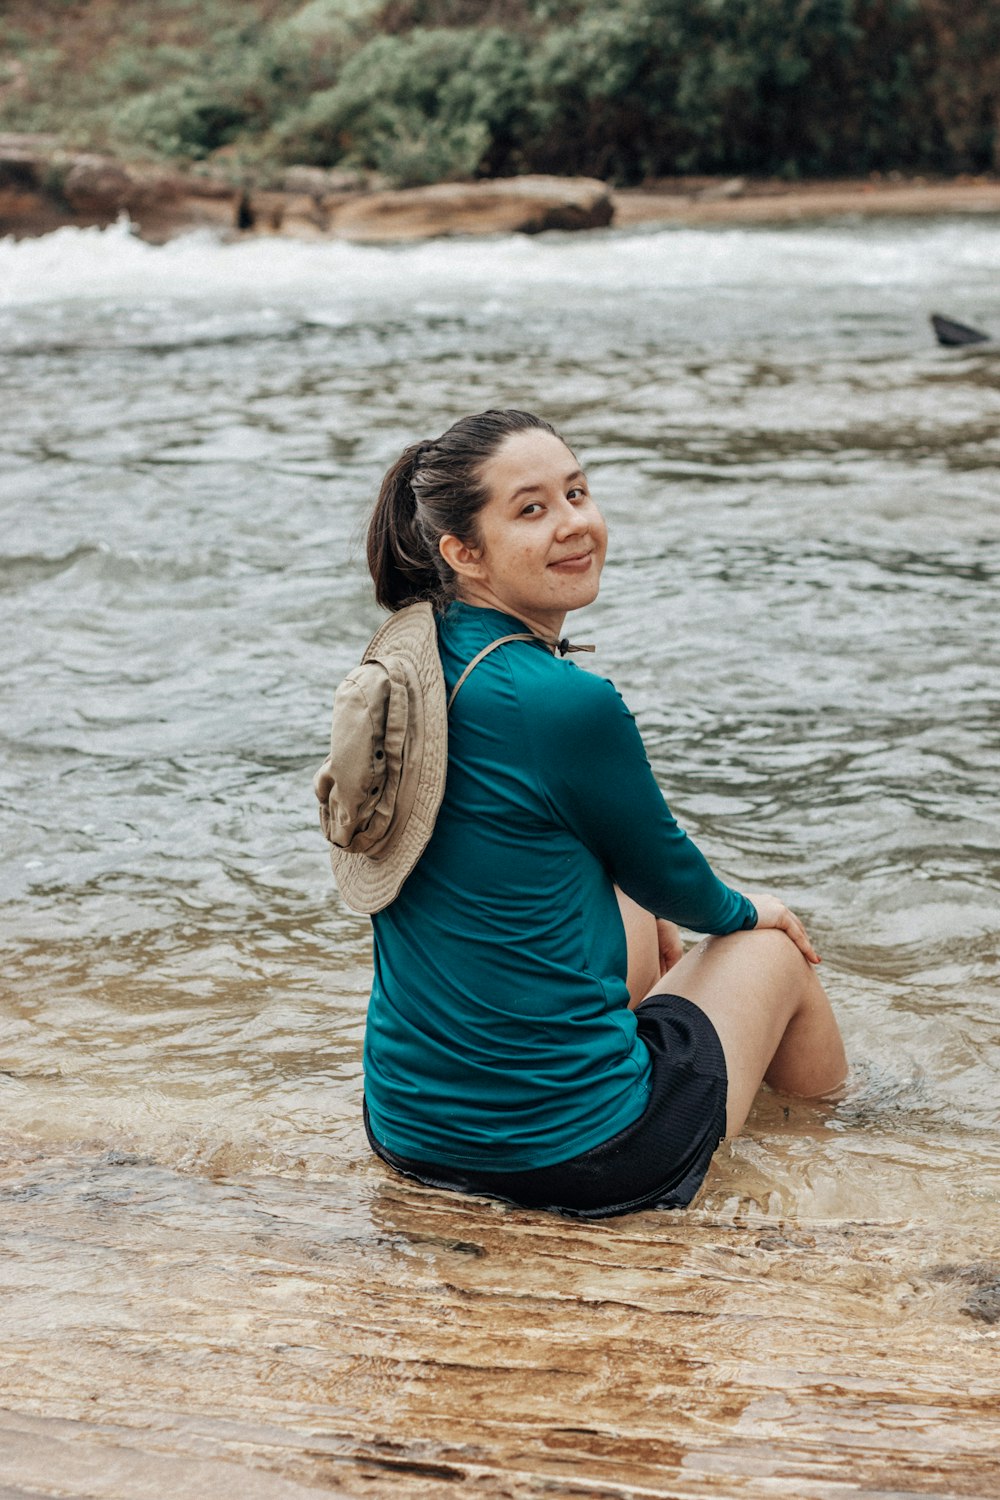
307, 51
135, 67
425, 89
633, 89
419, 107
186, 119
416, 151
651, 87
235, 89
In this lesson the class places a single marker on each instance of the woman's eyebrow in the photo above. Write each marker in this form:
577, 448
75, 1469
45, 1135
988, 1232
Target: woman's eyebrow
532, 489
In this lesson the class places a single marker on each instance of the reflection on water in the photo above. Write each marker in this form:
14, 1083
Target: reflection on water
210, 1286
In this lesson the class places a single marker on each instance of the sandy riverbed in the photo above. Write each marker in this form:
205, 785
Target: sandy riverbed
715, 201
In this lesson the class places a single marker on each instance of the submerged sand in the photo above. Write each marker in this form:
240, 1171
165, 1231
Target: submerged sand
259, 1339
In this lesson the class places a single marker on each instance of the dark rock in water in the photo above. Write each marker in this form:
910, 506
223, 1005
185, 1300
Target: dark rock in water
976, 1272
983, 1302
954, 335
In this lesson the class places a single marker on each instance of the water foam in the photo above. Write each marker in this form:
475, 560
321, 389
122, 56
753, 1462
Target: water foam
115, 265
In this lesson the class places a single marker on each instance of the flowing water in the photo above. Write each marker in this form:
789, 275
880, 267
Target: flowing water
209, 1287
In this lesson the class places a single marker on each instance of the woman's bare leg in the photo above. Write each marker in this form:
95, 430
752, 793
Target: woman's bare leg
766, 1002
771, 1013
643, 949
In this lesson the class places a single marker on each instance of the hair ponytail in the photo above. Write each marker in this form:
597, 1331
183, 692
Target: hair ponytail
433, 490
399, 559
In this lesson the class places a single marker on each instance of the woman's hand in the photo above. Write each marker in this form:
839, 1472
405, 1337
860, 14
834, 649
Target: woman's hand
774, 913
669, 945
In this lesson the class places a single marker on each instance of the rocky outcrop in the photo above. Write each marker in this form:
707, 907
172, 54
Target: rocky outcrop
43, 186
507, 205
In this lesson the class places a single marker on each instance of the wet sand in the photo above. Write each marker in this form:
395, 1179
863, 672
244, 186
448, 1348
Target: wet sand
716, 201
257, 1337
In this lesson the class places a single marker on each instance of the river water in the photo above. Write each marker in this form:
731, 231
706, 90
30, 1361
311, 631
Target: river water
209, 1287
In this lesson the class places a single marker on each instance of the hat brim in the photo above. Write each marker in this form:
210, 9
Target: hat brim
366, 883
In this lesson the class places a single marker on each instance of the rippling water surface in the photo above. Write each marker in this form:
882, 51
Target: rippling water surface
209, 1286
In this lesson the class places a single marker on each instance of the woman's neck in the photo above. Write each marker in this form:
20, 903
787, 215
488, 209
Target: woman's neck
543, 622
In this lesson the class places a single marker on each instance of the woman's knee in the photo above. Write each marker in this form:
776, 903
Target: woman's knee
776, 948
763, 951
752, 982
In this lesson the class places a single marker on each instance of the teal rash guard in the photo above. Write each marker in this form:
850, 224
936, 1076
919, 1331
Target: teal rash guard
499, 1035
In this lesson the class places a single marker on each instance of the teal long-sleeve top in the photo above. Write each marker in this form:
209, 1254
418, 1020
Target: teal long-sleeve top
498, 1035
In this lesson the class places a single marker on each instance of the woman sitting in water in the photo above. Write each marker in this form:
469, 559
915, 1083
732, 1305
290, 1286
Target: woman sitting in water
536, 1031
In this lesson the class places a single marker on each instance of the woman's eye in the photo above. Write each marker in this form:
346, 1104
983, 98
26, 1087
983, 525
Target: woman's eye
577, 493
530, 509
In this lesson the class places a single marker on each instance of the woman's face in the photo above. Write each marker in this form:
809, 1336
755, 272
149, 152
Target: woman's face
541, 541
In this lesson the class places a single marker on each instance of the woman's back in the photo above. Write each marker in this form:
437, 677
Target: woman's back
499, 1015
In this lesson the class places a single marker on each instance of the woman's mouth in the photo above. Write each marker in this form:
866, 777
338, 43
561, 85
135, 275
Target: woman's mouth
579, 562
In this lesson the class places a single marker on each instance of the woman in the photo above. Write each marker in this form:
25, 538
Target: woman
535, 1030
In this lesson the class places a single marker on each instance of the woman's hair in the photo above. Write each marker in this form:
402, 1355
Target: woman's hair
432, 490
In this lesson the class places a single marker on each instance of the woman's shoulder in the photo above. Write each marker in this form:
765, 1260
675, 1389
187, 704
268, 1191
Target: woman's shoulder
560, 692
547, 687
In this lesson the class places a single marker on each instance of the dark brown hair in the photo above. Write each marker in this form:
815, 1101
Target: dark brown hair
432, 490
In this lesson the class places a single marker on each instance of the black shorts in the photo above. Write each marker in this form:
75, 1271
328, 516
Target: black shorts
659, 1161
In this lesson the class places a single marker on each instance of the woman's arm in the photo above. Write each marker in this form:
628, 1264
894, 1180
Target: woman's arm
593, 770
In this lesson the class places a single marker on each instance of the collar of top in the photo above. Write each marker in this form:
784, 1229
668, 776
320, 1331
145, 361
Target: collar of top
558, 645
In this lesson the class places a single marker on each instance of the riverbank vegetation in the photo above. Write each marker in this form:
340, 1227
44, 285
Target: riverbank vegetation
424, 90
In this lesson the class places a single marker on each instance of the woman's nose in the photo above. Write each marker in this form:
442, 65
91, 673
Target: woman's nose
570, 519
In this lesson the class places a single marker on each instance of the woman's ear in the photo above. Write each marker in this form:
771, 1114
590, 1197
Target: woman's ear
462, 559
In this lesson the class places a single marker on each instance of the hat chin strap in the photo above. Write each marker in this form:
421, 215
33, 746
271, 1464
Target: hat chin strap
561, 647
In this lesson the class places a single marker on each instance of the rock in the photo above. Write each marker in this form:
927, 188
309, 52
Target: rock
299, 214
984, 1304
164, 204
983, 1276
954, 335
28, 203
97, 187
19, 166
505, 205
43, 186
721, 191
321, 181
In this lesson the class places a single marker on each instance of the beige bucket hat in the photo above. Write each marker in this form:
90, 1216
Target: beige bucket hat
381, 785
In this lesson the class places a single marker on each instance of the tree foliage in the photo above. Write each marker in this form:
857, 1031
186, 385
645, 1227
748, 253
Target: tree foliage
623, 89
419, 107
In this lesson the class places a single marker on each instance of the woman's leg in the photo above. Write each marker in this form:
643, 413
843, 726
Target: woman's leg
643, 948
771, 1013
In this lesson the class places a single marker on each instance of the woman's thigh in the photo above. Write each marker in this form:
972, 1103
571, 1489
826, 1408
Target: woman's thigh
757, 989
643, 951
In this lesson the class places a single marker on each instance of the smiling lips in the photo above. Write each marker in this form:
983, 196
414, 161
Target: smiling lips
578, 563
